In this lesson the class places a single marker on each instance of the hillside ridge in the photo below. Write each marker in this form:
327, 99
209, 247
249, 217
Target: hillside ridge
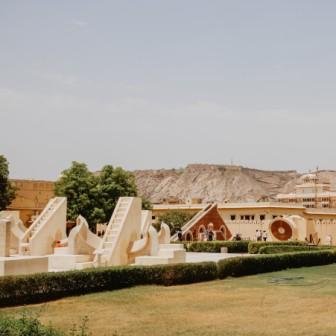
219, 183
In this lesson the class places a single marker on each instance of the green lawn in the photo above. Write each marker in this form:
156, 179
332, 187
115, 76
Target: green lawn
294, 302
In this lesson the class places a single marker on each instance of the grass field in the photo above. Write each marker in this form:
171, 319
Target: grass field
293, 302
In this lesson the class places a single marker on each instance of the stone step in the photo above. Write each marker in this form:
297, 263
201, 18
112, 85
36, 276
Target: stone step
113, 231
84, 265
171, 254
175, 247
108, 245
67, 261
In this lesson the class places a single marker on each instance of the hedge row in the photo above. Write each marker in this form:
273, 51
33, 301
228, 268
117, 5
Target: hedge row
240, 246
18, 290
273, 249
240, 266
254, 247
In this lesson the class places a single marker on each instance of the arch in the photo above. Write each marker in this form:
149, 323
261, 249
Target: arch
281, 229
223, 230
189, 236
201, 229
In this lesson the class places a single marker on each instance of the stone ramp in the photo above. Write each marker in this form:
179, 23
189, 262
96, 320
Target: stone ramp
123, 229
48, 227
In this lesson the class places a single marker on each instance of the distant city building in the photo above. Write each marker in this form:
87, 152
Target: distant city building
311, 193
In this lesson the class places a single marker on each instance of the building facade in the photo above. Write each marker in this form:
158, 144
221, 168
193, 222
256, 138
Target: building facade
280, 221
31, 197
311, 193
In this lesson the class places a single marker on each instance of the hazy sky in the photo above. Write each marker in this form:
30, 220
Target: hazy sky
153, 84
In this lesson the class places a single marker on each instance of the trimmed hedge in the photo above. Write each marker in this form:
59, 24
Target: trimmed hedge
240, 266
253, 247
42, 287
273, 249
19, 290
240, 246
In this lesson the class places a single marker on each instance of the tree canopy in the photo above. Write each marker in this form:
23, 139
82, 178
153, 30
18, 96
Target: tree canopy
78, 184
175, 219
7, 191
113, 183
95, 196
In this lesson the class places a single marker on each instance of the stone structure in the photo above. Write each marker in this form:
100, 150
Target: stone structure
280, 221
129, 238
4, 238
49, 227
208, 219
31, 198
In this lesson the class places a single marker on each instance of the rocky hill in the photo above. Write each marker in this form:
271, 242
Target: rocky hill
218, 183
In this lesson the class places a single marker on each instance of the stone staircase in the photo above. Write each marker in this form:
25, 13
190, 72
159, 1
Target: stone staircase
112, 233
38, 224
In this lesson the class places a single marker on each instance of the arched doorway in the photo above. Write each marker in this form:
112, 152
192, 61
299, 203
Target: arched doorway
223, 231
189, 236
201, 233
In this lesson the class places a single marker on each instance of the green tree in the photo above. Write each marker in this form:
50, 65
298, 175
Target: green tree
79, 185
7, 191
112, 184
146, 203
175, 219
94, 196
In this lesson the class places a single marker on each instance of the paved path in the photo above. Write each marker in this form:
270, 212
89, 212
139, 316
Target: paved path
200, 256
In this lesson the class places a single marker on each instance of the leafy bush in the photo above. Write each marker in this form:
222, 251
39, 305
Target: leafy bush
18, 290
24, 326
28, 324
273, 249
240, 266
253, 247
240, 246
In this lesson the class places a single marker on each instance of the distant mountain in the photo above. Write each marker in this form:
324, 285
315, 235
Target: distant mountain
218, 183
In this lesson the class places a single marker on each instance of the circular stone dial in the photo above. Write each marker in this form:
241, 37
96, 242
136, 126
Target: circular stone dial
281, 230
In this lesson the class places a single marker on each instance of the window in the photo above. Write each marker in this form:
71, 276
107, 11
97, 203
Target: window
262, 217
153, 217
233, 217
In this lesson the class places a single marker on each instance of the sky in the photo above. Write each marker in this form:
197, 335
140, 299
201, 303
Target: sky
149, 84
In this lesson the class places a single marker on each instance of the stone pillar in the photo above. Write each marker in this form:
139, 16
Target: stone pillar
4, 237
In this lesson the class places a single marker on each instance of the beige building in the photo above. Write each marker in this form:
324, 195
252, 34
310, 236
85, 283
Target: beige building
311, 193
31, 197
309, 214
280, 221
